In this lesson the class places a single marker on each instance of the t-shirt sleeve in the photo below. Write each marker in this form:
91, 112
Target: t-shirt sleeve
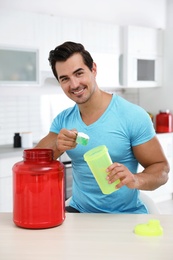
142, 128
56, 124
60, 121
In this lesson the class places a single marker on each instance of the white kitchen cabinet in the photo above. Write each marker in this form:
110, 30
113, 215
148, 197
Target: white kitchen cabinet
17, 29
138, 46
142, 57
102, 40
71, 30
48, 36
107, 69
6, 188
45, 32
100, 36
164, 192
144, 40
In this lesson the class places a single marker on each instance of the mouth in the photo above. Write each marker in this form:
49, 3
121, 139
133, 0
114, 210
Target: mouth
78, 92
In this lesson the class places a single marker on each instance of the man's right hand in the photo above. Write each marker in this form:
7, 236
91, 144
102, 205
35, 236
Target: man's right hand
66, 140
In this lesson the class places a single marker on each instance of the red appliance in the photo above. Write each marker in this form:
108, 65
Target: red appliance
38, 190
164, 122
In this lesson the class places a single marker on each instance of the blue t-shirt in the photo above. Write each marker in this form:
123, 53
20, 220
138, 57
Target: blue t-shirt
122, 126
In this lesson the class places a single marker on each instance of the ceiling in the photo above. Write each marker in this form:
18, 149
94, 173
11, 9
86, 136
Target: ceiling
104, 10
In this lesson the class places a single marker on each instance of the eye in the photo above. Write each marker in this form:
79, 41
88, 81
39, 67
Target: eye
63, 80
79, 73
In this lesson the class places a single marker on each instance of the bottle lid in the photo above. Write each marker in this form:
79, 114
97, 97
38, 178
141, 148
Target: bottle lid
82, 138
16, 134
37, 154
167, 111
152, 228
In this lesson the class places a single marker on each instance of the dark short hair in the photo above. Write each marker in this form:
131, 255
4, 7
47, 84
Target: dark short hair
66, 50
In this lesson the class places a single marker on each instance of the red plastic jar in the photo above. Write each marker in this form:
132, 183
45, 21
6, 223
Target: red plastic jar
164, 122
38, 190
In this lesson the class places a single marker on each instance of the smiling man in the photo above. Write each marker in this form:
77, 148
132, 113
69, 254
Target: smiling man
125, 128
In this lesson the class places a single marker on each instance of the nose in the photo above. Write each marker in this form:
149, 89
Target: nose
74, 82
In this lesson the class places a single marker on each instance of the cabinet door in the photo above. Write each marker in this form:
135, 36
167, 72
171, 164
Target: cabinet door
107, 69
142, 57
71, 30
102, 41
100, 37
6, 188
48, 36
144, 40
17, 28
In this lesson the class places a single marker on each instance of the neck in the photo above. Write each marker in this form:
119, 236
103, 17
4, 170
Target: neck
92, 104
95, 106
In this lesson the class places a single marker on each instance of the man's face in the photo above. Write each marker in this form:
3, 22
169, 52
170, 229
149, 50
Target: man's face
75, 78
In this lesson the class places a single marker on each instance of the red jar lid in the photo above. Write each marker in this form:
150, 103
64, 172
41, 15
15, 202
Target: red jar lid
38, 154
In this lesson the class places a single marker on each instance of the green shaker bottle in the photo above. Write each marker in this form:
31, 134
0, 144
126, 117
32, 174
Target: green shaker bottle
98, 159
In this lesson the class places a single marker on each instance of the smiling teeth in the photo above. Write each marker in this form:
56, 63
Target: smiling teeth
78, 92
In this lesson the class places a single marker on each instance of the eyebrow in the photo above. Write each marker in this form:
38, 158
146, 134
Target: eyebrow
74, 72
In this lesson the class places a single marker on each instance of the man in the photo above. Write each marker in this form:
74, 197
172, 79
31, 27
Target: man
125, 128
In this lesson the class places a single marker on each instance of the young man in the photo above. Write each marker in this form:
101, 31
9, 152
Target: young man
125, 128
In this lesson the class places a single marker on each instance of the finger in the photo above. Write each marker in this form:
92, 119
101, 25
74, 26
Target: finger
67, 145
112, 166
68, 135
118, 168
114, 178
75, 131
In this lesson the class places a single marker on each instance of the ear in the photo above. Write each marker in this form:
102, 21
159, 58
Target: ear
94, 69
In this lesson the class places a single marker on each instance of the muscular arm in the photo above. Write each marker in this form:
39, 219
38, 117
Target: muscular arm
156, 168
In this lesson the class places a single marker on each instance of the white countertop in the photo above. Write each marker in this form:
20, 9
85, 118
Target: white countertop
87, 236
8, 150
